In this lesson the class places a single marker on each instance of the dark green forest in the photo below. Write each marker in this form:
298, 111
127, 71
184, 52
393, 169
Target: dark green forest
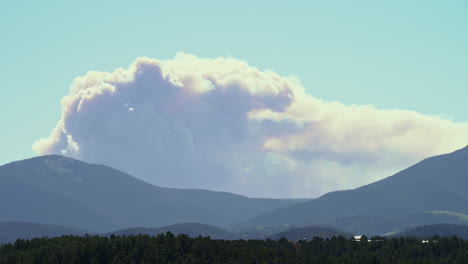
168, 248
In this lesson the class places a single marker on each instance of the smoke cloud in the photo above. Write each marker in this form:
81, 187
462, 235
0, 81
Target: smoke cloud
222, 124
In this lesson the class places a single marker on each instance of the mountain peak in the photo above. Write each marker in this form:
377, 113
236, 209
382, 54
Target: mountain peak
48, 165
43, 158
55, 158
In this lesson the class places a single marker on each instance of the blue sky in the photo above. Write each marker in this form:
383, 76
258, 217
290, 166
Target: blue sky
391, 54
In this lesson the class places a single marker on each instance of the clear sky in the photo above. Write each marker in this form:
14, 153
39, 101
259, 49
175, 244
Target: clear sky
392, 54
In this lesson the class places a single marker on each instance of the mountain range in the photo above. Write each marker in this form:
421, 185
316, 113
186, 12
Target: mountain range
438, 183
58, 190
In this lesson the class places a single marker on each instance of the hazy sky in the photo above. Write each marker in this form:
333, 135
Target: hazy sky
409, 55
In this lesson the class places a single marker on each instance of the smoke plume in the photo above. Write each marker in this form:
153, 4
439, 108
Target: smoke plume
222, 124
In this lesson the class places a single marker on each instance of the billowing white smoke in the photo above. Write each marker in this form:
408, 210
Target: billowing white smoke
221, 124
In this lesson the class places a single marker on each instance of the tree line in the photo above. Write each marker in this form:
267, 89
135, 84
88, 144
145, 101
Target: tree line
168, 248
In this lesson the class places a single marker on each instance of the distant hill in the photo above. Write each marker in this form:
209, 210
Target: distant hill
190, 229
448, 216
435, 184
367, 225
380, 225
10, 231
60, 190
361, 225
259, 232
308, 233
195, 230
428, 231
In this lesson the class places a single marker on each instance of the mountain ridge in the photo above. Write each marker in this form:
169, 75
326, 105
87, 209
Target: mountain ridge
69, 190
435, 183
442, 230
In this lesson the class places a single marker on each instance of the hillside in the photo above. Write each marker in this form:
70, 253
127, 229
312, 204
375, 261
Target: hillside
308, 233
367, 225
59, 190
380, 225
10, 231
443, 230
435, 184
190, 229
